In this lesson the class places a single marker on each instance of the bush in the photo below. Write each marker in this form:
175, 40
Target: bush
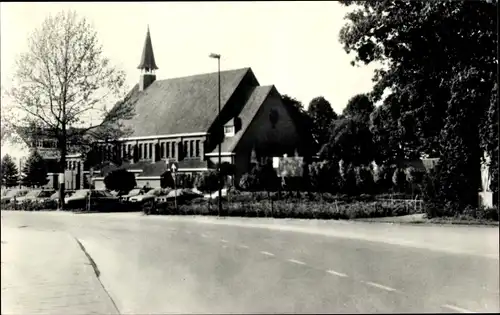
286, 209
30, 205
208, 182
120, 180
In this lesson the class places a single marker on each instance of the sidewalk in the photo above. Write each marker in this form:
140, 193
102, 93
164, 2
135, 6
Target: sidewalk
47, 272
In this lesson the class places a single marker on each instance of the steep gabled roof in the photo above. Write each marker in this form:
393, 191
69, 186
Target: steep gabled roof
181, 105
247, 114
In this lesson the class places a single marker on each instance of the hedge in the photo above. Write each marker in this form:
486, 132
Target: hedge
285, 209
30, 205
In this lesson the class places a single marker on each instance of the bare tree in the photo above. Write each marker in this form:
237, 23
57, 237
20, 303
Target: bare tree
62, 80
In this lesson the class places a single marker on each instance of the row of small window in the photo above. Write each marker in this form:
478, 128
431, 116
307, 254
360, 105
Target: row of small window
46, 144
191, 148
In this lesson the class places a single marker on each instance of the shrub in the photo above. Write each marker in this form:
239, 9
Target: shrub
167, 180
348, 180
120, 180
364, 180
399, 180
208, 182
323, 176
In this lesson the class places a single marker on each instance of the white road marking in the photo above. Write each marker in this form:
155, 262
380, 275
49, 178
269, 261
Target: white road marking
383, 287
224, 241
335, 273
242, 246
298, 262
204, 235
456, 308
266, 253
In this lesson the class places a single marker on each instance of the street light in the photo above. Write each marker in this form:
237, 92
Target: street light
217, 56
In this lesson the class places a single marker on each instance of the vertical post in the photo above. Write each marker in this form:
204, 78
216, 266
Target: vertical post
220, 144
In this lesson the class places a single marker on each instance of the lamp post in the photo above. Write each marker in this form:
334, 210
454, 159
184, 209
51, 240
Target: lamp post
217, 56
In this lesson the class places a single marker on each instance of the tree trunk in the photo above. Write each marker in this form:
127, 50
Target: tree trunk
62, 165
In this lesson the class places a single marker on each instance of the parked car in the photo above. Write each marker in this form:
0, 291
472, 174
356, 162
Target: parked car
67, 193
13, 194
36, 195
178, 196
148, 196
132, 193
100, 200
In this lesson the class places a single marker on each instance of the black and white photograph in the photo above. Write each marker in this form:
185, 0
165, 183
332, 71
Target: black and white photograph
271, 157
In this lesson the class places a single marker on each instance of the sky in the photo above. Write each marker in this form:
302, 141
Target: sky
292, 45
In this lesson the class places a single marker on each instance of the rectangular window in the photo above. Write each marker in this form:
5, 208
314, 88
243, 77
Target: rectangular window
162, 150
197, 148
191, 152
185, 148
150, 150
167, 149
145, 156
229, 131
140, 151
129, 147
173, 149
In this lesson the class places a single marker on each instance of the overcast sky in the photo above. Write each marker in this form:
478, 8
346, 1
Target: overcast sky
293, 45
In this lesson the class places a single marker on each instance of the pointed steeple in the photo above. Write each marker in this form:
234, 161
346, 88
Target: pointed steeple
148, 58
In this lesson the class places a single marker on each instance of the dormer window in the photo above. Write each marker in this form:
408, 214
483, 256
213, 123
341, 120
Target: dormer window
229, 131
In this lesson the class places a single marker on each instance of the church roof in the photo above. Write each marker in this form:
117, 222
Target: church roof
148, 58
182, 105
247, 114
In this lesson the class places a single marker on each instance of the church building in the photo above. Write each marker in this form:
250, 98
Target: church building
178, 120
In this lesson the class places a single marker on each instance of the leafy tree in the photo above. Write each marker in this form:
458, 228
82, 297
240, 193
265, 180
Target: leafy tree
120, 180
324, 176
364, 180
208, 182
62, 79
399, 180
292, 101
383, 177
433, 96
350, 141
321, 116
9, 171
35, 171
348, 184
359, 107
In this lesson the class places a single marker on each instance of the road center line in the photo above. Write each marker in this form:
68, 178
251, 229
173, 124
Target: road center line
456, 308
242, 246
335, 273
376, 285
204, 235
266, 253
224, 241
298, 262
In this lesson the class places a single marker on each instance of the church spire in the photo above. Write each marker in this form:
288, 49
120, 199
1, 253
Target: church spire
148, 58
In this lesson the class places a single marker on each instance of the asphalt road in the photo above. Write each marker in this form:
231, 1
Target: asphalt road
182, 265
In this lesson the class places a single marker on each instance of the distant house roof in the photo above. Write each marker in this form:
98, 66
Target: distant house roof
181, 105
